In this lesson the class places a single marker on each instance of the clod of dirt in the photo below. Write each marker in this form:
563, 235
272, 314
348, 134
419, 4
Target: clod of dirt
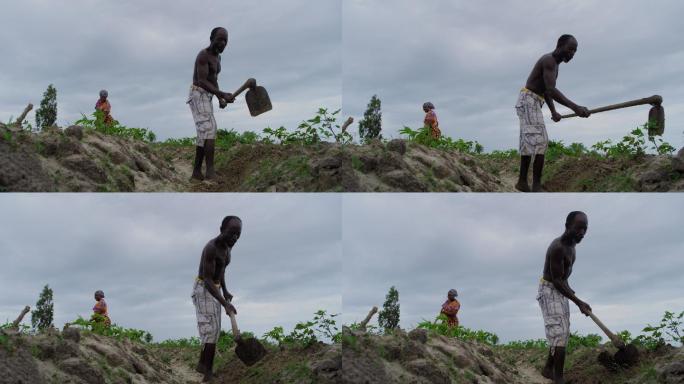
678, 161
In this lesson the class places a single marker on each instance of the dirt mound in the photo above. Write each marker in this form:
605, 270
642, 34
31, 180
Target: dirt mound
75, 160
73, 357
424, 357
396, 166
594, 174
319, 363
419, 357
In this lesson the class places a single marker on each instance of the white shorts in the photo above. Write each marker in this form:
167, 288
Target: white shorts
533, 137
208, 311
203, 114
556, 312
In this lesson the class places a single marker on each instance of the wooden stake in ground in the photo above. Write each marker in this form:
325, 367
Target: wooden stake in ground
20, 119
364, 323
15, 323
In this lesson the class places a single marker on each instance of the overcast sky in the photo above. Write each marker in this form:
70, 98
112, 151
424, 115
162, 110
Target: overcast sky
143, 251
629, 265
143, 53
471, 59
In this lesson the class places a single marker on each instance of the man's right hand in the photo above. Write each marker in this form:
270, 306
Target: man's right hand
582, 111
228, 97
555, 116
584, 308
230, 308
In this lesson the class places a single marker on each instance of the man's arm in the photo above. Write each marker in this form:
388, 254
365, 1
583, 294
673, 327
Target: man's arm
208, 268
557, 267
555, 116
549, 68
226, 294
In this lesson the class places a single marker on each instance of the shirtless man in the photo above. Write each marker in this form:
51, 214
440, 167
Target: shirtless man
205, 293
554, 293
540, 88
204, 86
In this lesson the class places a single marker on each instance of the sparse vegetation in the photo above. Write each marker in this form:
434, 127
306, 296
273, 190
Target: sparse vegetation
97, 326
97, 123
440, 327
322, 327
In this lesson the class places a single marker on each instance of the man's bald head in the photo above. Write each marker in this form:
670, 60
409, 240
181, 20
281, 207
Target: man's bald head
564, 39
215, 31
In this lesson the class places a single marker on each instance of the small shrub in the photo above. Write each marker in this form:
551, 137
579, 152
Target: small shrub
97, 326
441, 327
423, 136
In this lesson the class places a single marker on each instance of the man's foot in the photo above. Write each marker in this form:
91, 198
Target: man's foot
197, 176
208, 376
547, 372
211, 175
537, 187
200, 368
522, 186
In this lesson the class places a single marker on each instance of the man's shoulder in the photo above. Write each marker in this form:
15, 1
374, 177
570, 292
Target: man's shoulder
210, 245
548, 59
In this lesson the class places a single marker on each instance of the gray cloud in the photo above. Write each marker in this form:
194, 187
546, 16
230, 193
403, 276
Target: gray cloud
143, 251
143, 53
471, 59
491, 249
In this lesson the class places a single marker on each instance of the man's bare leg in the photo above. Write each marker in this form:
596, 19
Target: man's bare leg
548, 368
201, 364
199, 157
558, 365
209, 351
537, 169
209, 154
522, 185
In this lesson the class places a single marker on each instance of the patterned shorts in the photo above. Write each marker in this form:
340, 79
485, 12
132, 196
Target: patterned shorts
533, 137
208, 311
203, 114
556, 312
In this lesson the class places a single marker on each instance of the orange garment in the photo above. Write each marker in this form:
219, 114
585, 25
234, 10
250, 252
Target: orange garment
450, 309
106, 108
431, 121
101, 309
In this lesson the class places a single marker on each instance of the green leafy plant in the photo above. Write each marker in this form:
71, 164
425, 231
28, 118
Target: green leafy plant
97, 123
575, 341
634, 145
670, 329
527, 344
322, 126
304, 334
97, 326
441, 327
423, 136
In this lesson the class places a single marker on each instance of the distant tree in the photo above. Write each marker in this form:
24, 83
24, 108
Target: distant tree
41, 317
371, 124
389, 316
46, 115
